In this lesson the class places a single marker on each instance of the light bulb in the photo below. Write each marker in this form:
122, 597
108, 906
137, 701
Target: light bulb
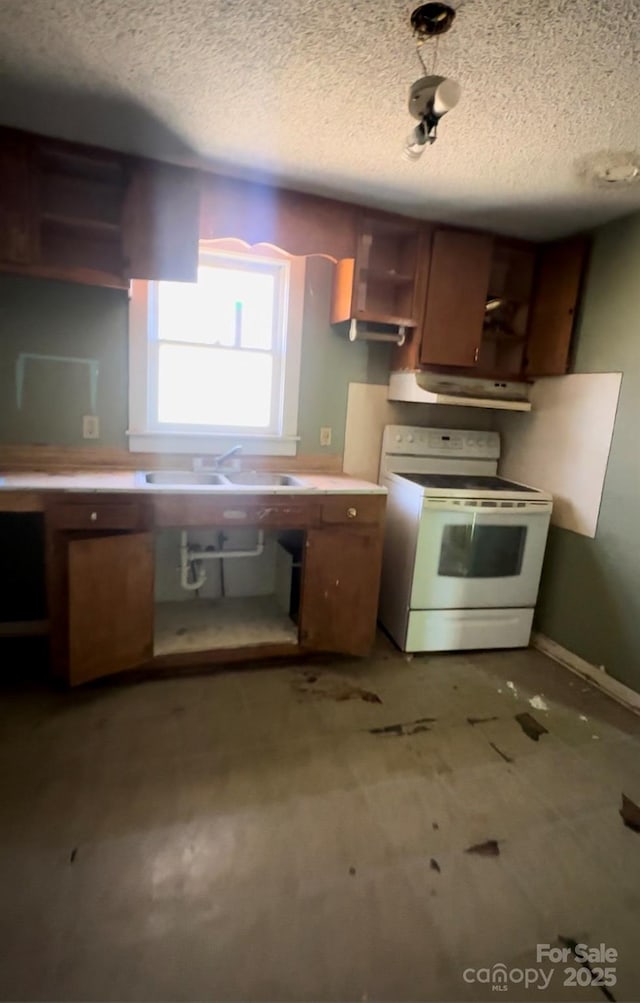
415, 144
446, 97
412, 150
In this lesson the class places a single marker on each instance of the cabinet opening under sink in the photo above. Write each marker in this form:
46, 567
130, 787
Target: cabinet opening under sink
225, 588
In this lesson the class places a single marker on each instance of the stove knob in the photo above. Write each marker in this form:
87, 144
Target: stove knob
398, 438
409, 438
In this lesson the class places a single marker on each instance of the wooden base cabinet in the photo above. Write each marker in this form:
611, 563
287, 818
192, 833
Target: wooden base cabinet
110, 604
340, 590
102, 579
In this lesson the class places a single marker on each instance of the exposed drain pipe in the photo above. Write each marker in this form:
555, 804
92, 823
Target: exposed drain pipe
192, 556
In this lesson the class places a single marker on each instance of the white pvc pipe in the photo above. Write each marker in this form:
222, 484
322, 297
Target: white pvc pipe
188, 554
184, 566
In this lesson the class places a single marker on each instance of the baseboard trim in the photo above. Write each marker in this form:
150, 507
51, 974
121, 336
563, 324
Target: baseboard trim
623, 694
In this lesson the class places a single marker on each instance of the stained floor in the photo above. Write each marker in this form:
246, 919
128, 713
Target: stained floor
301, 833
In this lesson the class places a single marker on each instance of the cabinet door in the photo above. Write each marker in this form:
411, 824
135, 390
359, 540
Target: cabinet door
162, 222
456, 298
110, 604
340, 590
555, 298
18, 229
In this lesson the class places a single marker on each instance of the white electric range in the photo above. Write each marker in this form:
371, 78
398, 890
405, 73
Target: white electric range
463, 548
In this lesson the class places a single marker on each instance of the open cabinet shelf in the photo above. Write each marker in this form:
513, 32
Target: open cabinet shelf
233, 622
386, 281
239, 602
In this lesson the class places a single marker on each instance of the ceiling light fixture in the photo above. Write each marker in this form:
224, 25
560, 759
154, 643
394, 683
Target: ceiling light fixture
431, 96
610, 169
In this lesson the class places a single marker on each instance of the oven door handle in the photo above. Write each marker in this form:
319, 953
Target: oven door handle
502, 507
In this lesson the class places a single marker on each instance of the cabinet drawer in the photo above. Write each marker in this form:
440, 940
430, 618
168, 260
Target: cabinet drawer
234, 511
102, 515
354, 509
282, 516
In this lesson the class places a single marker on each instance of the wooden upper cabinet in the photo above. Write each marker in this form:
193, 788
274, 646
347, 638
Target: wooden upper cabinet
18, 231
556, 291
504, 333
161, 226
83, 214
456, 298
79, 215
340, 589
110, 604
386, 281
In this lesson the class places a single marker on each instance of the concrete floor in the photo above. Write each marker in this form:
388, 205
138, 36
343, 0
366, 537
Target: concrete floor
245, 836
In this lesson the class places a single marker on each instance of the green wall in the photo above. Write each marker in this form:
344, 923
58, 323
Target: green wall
64, 319
58, 318
590, 593
330, 362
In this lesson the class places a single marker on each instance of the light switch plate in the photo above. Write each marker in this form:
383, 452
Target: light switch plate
90, 426
325, 436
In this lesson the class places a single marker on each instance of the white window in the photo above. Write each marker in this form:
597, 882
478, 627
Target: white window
218, 361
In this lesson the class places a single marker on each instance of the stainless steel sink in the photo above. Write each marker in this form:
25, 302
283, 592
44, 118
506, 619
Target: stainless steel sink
263, 478
183, 477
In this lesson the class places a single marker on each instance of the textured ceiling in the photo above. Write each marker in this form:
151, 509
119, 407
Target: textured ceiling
315, 94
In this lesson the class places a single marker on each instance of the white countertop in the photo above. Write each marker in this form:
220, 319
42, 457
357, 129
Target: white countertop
134, 481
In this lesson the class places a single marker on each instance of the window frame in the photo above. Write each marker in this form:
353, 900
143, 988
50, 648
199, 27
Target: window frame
145, 434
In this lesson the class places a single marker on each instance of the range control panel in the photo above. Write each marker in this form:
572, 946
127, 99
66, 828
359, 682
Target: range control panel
407, 440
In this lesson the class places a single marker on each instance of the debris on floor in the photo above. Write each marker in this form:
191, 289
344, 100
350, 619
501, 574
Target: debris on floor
405, 727
532, 728
73, 854
490, 848
434, 865
502, 754
512, 686
538, 702
630, 813
352, 871
480, 720
328, 687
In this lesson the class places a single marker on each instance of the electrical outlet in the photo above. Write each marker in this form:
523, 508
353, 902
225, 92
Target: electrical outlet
325, 436
90, 426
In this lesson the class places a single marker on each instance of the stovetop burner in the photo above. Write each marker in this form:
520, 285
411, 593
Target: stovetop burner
465, 482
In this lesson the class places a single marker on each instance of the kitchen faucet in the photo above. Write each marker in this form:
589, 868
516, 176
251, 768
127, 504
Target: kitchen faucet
217, 461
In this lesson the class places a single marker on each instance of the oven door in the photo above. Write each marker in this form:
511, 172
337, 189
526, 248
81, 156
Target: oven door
470, 555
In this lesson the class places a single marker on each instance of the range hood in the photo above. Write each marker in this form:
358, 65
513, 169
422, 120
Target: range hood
424, 387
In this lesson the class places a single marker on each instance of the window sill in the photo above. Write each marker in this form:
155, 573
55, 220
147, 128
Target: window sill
194, 442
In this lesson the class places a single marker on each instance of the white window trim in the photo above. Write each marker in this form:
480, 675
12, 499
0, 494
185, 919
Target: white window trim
143, 438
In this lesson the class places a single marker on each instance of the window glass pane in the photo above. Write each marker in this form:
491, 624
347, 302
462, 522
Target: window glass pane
227, 306
214, 386
476, 551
